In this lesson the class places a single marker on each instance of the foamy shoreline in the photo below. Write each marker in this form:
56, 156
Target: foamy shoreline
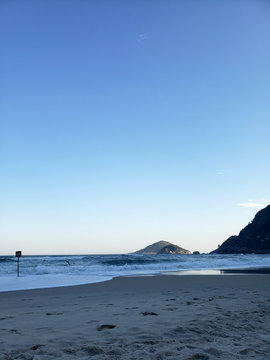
151, 317
34, 282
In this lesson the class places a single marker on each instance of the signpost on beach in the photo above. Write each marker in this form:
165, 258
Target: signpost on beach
18, 254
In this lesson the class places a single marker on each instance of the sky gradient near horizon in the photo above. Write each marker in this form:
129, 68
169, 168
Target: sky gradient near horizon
127, 122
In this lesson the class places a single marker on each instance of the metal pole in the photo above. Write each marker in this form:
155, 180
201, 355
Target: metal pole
18, 267
18, 254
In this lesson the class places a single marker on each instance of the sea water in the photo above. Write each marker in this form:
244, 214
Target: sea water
66, 270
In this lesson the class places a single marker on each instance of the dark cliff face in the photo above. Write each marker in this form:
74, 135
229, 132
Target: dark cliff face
253, 239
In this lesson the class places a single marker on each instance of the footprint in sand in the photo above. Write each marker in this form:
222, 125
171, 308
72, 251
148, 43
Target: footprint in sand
93, 350
149, 313
36, 347
55, 313
7, 317
70, 351
105, 326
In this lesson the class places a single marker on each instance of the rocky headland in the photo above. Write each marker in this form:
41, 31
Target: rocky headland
253, 239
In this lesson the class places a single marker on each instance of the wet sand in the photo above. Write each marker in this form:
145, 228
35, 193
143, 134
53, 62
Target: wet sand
195, 317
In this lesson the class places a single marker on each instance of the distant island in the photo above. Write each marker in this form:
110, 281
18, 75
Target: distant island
162, 247
253, 239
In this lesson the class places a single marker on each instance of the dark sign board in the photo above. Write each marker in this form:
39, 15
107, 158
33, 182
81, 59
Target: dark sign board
18, 253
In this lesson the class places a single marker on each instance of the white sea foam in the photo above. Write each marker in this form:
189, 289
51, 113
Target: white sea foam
11, 283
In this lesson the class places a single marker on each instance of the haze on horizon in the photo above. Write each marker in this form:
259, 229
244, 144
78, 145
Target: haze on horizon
128, 122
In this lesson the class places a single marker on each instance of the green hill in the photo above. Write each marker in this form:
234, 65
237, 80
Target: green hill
162, 247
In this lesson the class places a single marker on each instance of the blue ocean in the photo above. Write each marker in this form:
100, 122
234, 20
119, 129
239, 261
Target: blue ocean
54, 271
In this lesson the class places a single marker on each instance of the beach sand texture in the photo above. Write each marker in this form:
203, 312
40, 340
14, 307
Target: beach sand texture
194, 317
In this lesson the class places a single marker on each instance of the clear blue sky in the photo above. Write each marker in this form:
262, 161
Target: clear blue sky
127, 122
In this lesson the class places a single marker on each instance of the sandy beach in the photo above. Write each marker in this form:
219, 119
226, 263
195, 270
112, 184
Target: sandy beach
194, 317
